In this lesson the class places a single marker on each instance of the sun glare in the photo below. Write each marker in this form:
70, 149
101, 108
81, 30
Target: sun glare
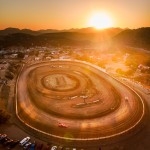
100, 21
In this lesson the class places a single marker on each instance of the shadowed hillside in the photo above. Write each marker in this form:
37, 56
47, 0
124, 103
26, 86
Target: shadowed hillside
76, 37
72, 37
136, 38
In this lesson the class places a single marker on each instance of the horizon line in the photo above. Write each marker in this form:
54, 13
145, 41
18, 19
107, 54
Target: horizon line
72, 28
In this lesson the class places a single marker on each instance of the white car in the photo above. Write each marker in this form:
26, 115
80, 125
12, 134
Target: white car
126, 98
54, 148
24, 141
27, 145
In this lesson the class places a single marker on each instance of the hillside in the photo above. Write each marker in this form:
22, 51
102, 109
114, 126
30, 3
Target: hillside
85, 36
8, 31
139, 38
136, 38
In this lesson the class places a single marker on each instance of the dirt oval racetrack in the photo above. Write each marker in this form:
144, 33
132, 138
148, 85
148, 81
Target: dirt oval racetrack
61, 98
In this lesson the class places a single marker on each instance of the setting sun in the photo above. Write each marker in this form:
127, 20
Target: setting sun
100, 21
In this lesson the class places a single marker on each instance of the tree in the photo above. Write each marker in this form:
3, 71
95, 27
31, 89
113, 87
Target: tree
4, 116
9, 75
21, 55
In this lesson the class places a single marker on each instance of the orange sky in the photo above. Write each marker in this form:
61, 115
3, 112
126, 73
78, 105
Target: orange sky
65, 14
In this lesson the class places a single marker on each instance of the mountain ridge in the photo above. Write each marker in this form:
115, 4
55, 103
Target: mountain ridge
11, 30
134, 37
138, 38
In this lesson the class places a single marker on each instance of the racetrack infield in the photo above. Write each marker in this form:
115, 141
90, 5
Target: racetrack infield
88, 101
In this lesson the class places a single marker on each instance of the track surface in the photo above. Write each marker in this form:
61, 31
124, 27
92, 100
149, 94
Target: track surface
91, 103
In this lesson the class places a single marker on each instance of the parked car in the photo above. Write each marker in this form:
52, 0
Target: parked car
4, 140
2, 136
8, 142
32, 147
39, 146
54, 148
13, 144
27, 145
24, 141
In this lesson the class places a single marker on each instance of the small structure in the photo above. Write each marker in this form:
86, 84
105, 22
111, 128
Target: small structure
36, 58
48, 58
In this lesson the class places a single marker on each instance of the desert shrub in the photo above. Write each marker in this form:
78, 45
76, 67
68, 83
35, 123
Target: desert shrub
9, 75
21, 55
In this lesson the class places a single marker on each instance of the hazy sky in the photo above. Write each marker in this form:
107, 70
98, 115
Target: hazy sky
64, 14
